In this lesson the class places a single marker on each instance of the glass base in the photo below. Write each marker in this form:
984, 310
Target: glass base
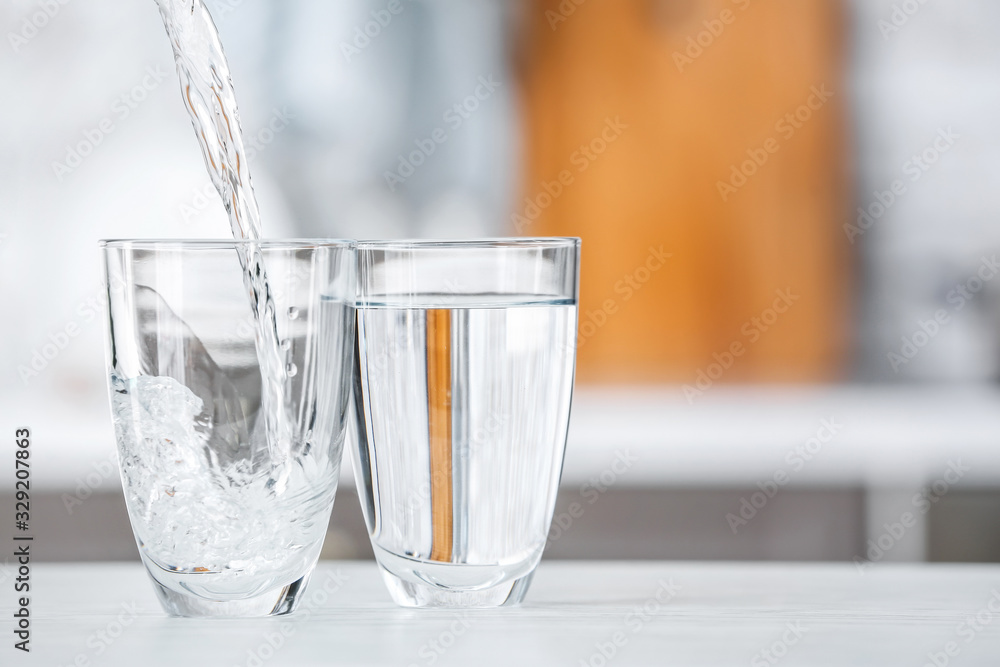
276, 602
408, 593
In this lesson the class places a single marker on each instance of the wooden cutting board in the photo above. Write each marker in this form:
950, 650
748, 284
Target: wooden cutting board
712, 131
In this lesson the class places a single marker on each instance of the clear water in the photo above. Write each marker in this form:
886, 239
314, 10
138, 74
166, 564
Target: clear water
203, 496
208, 95
510, 384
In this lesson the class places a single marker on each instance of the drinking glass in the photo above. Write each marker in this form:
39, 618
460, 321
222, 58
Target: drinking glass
466, 359
229, 491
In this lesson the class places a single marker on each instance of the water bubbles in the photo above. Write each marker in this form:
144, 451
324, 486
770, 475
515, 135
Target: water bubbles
293, 313
291, 370
286, 345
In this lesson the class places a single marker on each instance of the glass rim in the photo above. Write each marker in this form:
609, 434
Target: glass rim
525, 242
224, 244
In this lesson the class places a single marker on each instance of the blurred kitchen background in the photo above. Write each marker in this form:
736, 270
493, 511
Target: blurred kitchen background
789, 209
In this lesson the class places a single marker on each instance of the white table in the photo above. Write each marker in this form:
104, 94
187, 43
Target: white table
706, 614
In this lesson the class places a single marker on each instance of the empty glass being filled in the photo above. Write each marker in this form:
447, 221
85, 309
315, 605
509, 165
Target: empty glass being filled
466, 357
229, 396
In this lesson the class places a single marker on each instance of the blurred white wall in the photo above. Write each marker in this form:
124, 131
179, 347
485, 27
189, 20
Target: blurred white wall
96, 144
370, 88
924, 71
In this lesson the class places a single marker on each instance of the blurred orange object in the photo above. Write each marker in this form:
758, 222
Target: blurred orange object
699, 148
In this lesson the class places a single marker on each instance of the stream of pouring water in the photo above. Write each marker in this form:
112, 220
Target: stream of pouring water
207, 90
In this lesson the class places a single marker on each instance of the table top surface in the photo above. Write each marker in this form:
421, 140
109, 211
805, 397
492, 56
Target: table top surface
577, 613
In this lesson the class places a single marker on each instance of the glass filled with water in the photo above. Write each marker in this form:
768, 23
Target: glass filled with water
466, 359
229, 412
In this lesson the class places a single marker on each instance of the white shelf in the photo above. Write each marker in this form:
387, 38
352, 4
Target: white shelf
900, 436
891, 437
